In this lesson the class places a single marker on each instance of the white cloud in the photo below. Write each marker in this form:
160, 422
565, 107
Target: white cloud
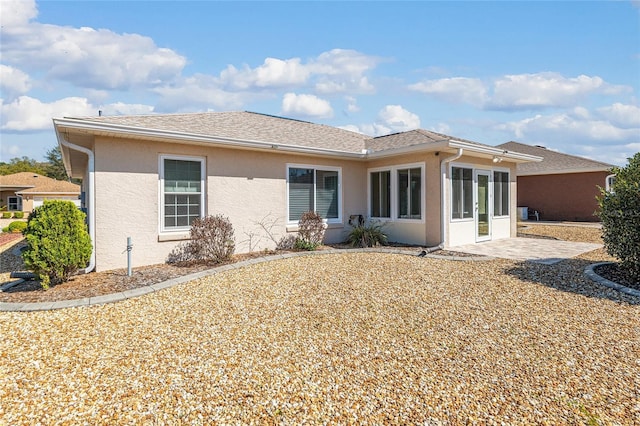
625, 116
86, 57
272, 73
199, 92
566, 126
343, 70
390, 119
546, 90
455, 90
335, 71
306, 105
17, 13
13, 82
352, 104
120, 108
27, 114
518, 91
398, 119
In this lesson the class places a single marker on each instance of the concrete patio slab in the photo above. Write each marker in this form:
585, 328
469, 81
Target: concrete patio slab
536, 250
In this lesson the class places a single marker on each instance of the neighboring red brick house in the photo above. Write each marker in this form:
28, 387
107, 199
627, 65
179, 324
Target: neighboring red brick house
561, 186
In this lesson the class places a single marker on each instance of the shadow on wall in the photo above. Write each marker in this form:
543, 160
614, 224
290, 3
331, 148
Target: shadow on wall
568, 276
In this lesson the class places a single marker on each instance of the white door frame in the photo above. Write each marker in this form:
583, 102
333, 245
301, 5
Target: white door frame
486, 235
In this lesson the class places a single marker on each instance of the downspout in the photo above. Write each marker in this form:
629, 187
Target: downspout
444, 223
91, 211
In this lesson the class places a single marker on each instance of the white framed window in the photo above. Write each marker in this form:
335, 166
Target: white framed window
380, 190
14, 203
410, 193
461, 192
314, 188
500, 193
397, 193
182, 189
610, 180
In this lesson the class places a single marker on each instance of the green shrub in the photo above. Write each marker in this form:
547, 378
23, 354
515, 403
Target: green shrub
17, 226
6, 215
620, 215
310, 231
212, 241
370, 235
5, 229
18, 215
58, 243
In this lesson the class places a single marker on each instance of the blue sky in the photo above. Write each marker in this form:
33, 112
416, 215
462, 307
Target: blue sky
565, 75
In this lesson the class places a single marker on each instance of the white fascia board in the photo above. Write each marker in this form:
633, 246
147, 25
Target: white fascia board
141, 132
490, 150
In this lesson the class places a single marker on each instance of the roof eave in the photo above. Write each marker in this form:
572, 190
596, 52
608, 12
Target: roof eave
564, 171
193, 138
504, 154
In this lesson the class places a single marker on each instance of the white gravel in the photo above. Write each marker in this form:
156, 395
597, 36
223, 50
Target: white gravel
336, 339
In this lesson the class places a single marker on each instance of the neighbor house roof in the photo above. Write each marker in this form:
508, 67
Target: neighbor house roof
251, 130
34, 183
553, 162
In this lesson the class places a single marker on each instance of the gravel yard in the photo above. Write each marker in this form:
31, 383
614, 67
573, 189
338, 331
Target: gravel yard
337, 338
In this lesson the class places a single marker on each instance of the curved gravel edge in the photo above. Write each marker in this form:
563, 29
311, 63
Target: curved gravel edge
141, 291
590, 273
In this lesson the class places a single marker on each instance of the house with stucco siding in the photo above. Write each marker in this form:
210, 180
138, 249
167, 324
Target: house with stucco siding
147, 177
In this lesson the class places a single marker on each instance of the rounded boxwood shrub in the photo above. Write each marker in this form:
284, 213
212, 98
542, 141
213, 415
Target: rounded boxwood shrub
6, 215
58, 243
17, 226
620, 215
18, 215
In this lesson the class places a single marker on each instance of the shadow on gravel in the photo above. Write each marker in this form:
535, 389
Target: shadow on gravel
568, 275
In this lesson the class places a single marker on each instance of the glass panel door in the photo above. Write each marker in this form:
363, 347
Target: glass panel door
483, 214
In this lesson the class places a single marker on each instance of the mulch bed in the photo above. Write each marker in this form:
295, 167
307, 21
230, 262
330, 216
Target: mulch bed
613, 272
7, 237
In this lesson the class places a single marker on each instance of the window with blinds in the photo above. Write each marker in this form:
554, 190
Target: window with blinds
182, 182
313, 189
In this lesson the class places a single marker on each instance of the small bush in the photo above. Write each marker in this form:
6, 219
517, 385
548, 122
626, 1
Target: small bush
18, 215
286, 243
620, 215
310, 231
5, 229
58, 243
17, 226
211, 241
370, 235
6, 215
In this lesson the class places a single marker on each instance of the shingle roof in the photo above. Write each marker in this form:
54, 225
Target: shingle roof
553, 162
410, 138
250, 129
248, 126
33, 183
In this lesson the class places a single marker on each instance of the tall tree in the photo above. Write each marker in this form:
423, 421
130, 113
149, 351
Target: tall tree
24, 164
55, 167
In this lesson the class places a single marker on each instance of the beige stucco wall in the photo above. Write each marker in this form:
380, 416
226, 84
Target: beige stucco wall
426, 232
250, 188
247, 186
